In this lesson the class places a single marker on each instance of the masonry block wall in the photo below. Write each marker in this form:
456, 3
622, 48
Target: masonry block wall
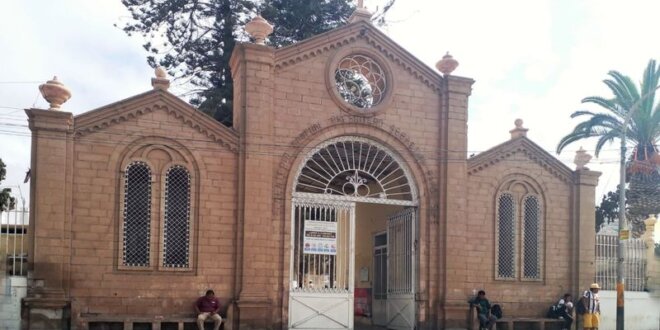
158, 132
299, 83
516, 161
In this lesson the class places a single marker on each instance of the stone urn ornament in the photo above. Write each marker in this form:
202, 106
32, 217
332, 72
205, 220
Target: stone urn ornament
582, 158
447, 64
258, 28
55, 93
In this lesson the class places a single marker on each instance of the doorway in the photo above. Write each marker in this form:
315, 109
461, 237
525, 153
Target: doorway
353, 239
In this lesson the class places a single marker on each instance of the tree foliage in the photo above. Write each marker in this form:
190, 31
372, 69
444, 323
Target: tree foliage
608, 210
193, 39
7, 202
634, 111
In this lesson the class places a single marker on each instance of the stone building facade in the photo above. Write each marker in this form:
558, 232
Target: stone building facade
140, 206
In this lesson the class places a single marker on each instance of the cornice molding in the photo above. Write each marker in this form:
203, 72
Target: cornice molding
155, 100
525, 147
349, 34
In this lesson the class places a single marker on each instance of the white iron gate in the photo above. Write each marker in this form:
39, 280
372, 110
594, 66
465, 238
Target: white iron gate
322, 253
401, 269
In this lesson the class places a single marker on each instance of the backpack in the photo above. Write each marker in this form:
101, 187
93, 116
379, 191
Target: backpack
553, 312
496, 310
581, 306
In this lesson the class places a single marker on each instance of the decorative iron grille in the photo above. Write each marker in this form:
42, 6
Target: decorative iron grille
176, 233
634, 262
531, 238
506, 234
137, 214
354, 167
360, 81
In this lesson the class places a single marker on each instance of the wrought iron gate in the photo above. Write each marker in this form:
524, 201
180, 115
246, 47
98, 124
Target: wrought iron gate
322, 254
401, 269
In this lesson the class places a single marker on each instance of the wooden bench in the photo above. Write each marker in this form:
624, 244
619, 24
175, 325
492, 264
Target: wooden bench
159, 322
509, 323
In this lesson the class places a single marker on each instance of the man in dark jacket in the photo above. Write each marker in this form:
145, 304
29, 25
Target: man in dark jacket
483, 311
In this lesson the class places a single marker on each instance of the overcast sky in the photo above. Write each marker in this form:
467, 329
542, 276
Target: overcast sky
533, 60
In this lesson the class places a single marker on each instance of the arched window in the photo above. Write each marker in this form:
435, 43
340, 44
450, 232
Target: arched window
531, 238
506, 237
519, 232
176, 231
137, 215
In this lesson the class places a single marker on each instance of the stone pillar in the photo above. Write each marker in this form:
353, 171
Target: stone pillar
652, 260
50, 218
453, 200
583, 238
258, 244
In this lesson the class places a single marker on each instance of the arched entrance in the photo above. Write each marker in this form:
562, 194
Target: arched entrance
354, 234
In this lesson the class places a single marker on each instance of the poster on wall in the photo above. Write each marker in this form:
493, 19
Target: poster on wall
320, 237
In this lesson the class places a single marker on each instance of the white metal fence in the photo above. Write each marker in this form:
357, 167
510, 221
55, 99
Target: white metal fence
13, 242
634, 262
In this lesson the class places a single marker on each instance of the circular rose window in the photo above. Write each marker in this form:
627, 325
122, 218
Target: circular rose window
360, 81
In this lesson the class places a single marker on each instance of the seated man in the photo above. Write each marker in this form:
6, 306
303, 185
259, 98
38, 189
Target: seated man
565, 310
208, 306
486, 320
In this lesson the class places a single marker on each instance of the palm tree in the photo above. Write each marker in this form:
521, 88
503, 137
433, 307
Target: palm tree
642, 130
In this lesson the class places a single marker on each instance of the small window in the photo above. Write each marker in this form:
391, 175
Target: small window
531, 241
176, 233
137, 215
506, 233
360, 81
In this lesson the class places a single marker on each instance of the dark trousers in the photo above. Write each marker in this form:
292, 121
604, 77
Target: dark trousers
487, 321
568, 319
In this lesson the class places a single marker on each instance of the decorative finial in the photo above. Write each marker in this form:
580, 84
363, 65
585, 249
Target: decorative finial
519, 131
258, 28
160, 82
360, 14
581, 158
55, 93
447, 64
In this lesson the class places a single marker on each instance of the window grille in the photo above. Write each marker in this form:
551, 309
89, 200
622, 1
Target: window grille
137, 214
506, 233
531, 239
176, 234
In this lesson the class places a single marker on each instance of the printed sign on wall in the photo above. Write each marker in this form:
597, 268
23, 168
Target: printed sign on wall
320, 237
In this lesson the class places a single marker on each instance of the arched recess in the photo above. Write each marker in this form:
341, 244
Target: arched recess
161, 154
519, 229
332, 181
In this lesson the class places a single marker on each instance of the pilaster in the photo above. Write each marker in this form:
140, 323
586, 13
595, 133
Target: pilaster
584, 229
252, 68
453, 197
50, 217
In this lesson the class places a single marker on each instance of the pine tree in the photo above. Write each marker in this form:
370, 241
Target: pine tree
194, 39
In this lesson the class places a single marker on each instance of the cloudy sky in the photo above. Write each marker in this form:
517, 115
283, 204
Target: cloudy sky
533, 60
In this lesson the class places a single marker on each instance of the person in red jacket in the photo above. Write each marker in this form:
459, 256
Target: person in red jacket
208, 306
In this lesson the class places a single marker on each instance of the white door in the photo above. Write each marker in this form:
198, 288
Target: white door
322, 253
401, 271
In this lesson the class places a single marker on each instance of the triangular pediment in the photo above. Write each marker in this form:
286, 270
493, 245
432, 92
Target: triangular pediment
350, 34
151, 101
520, 149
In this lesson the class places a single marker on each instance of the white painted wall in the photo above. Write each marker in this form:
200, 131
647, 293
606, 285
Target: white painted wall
14, 288
641, 310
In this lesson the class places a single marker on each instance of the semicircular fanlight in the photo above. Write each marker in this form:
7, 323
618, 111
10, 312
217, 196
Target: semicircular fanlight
354, 167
